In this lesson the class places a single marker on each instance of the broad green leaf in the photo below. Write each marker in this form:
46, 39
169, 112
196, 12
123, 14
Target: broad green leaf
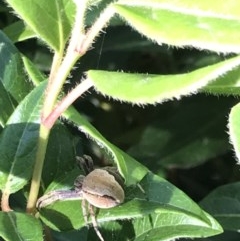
150, 227
50, 20
6, 105
11, 71
60, 157
223, 204
34, 74
150, 89
18, 142
65, 180
162, 203
181, 137
234, 130
228, 84
155, 228
132, 171
18, 31
200, 8
185, 23
20, 227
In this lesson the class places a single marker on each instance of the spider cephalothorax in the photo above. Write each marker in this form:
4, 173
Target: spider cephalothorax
101, 188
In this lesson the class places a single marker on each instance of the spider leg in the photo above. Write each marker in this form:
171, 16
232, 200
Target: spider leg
85, 163
58, 195
94, 221
78, 183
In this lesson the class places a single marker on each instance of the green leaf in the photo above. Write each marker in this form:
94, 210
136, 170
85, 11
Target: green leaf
34, 74
18, 31
223, 204
183, 138
18, 142
6, 105
151, 89
20, 227
151, 227
60, 157
131, 170
11, 71
161, 207
64, 180
155, 229
185, 23
50, 20
227, 84
234, 131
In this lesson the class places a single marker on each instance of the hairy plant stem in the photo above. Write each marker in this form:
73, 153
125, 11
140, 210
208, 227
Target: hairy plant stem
37, 172
57, 59
5, 201
96, 28
52, 92
78, 46
67, 101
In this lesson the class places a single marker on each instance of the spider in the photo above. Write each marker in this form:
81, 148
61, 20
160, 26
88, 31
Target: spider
100, 188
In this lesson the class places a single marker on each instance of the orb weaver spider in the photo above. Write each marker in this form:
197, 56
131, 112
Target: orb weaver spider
100, 188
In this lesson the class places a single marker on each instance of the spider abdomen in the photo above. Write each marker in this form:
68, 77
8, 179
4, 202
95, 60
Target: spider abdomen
101, 189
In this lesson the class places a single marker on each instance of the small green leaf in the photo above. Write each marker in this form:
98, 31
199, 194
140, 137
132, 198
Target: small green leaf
18, 142
11, 71
18, 31
161, 207
20, 227
131, 170
223, 204
50, 20
185, 23
151, 89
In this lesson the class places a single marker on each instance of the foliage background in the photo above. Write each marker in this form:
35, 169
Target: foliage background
192, 130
